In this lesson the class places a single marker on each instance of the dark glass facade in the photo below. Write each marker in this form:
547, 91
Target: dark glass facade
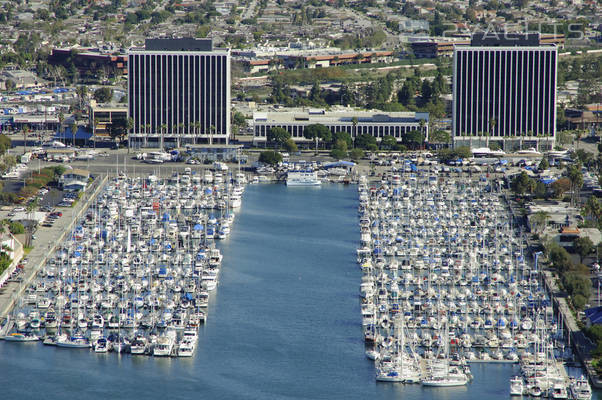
180, 93
515, 87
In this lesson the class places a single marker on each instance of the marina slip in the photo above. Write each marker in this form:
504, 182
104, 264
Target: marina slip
161, 292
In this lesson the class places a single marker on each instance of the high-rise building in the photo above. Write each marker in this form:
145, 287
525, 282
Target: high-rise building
504, 91
179, 93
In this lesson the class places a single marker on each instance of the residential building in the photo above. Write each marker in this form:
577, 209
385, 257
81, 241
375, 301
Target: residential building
377, 124
179, 93
504, 90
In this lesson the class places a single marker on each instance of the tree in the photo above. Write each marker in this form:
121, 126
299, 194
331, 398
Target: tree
583, 246
439, 136
5, 144
73, 129
539, 220
560, 258
103, 95
342, 136
82, 94
356, 154
388, 142
544, 164
270, 157
317, 131
414, 139
278, 136
290, 146
365, 141
592, 209
118, 129
354, 121
576, 179
560, 186
238, 118
522, 184
338, 154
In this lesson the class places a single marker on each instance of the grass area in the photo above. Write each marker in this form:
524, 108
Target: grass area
27, 250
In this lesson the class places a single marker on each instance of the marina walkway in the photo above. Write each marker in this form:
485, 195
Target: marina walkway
580, 343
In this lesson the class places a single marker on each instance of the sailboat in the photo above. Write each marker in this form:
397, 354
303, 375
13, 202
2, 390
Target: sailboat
399, 366
442, 373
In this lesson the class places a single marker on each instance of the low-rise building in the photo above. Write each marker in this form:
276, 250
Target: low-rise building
375, 123
74, 179
103, 116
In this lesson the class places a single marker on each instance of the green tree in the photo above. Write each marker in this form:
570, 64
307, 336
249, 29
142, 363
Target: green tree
278, 136
290, 146
238, 118
388, 142
317, 131
270, 157
583, 246
539, 220
544, 164
592, 209
439, 136
366, 141
5, 144
342, 136
560, 258
522, 184
413, 139
103, 94
356, 154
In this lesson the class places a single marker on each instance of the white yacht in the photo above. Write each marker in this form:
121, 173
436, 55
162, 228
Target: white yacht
302, 178
139, 345
73, 342
580, 389
516, 386
558, 392
165, 344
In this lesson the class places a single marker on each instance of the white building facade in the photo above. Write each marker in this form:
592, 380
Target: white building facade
377, 124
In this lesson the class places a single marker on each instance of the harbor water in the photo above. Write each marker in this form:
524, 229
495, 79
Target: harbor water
284, 322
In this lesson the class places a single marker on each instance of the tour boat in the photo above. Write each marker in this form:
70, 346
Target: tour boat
302, 178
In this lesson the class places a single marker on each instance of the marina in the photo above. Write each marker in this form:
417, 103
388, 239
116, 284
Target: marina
447, 283
284, 322
136, 272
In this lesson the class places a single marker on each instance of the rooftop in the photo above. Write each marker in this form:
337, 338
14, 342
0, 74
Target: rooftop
321, 116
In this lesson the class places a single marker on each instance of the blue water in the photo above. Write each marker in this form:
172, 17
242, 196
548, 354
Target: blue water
283, 324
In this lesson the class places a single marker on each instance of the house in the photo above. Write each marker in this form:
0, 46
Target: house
74, 180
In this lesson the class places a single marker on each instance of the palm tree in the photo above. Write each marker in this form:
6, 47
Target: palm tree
539, 220
354, 121
163, 128
61, 120
422, 124
492, 124
212, 130
129, 125
197, 129
25, 129
72, 128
